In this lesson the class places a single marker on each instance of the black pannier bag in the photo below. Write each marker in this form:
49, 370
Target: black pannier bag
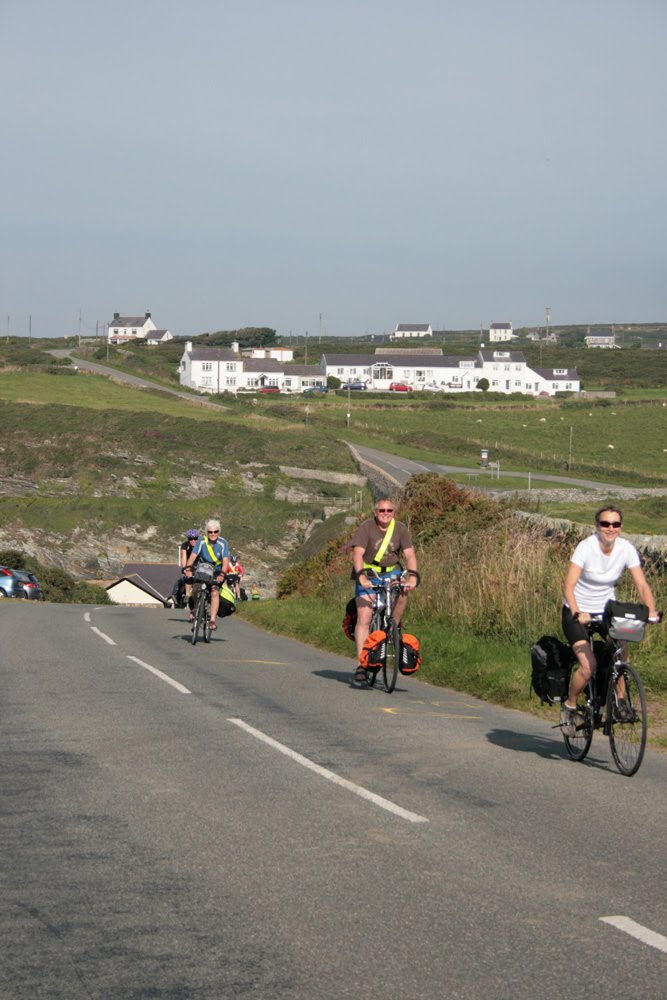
626, 621
551, 662
350, 619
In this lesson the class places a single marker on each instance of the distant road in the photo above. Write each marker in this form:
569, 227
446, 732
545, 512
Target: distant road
136, 381
400, 469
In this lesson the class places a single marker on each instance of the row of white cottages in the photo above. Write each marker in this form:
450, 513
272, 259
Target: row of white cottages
215, 370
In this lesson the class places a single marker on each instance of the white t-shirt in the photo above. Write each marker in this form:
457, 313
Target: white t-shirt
599, 572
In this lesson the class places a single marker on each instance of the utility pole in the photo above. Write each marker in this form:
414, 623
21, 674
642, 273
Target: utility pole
79, 326
8, 329
30, 330
569, 457
306, 361
320, 340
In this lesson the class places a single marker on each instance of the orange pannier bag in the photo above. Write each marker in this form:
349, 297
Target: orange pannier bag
374, 650
410, 656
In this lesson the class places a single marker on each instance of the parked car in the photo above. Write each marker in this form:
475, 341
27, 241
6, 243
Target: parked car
315, 388
269, 388
16, 583
400, 387
354, 385
433, 387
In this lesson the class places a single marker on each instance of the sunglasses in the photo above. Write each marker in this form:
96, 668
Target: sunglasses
609, 524
216, 532
385, 510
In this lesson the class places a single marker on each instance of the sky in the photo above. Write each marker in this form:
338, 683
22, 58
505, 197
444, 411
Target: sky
335, 168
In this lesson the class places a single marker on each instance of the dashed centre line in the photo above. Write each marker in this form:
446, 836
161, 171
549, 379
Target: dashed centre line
330, 775
163, 677
102, 635
635, 930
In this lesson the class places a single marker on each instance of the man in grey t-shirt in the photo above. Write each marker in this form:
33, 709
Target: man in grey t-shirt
368, 541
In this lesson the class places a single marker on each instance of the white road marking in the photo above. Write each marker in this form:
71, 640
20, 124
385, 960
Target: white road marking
637, 931
163, 677
102, 635
86, 616
330, 776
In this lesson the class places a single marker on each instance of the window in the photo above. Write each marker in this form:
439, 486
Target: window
518, 383
207, 380
207, 366
568, 385
494, 382
230, 380
230, 366
340, 371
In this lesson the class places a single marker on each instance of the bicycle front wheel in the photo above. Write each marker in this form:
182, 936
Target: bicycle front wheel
578, 745
377, 622
392, 657
200, 612
626, 720
206, 624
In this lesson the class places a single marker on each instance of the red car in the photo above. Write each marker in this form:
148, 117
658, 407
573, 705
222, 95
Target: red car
400, 387
269, 388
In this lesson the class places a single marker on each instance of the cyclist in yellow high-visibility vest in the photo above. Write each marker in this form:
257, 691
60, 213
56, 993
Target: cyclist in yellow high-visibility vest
377, 545
215, 550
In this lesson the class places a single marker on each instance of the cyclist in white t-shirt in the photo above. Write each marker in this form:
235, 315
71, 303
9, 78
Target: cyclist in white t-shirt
595, 567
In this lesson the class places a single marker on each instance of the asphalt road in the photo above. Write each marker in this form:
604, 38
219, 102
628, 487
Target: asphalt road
400, 469
263, 829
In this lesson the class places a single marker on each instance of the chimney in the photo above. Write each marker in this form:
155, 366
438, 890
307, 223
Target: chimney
148, 315
116, 316
235, 346
188, 346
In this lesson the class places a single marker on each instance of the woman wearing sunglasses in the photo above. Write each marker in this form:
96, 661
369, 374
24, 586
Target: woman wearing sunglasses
377, 545
595, 567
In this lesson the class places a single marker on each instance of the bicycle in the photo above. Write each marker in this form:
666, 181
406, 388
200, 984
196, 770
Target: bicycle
203, 577
386, 593
598, 708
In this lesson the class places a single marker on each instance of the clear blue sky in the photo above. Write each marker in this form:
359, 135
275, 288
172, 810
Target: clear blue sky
261, 163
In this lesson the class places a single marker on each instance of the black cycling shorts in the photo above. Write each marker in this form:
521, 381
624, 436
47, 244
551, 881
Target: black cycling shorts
574, 631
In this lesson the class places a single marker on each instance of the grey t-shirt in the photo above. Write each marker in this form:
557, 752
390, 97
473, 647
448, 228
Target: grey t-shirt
369, 535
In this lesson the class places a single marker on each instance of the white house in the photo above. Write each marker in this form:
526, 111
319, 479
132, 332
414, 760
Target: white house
602, 338
279, 353
125, 328
552, 380
144, 583
411, 331
506, 372
157, 337
223, 369
501, 332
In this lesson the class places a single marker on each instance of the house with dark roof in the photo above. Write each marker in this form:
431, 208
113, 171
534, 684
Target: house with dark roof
127, 328
144, 583
225, 369
505, 371
604, 337
411, 331
501, 332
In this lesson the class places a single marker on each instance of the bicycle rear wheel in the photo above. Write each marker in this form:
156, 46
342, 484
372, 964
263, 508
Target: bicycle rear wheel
392, 656
200, 611
578, 745
627, 729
